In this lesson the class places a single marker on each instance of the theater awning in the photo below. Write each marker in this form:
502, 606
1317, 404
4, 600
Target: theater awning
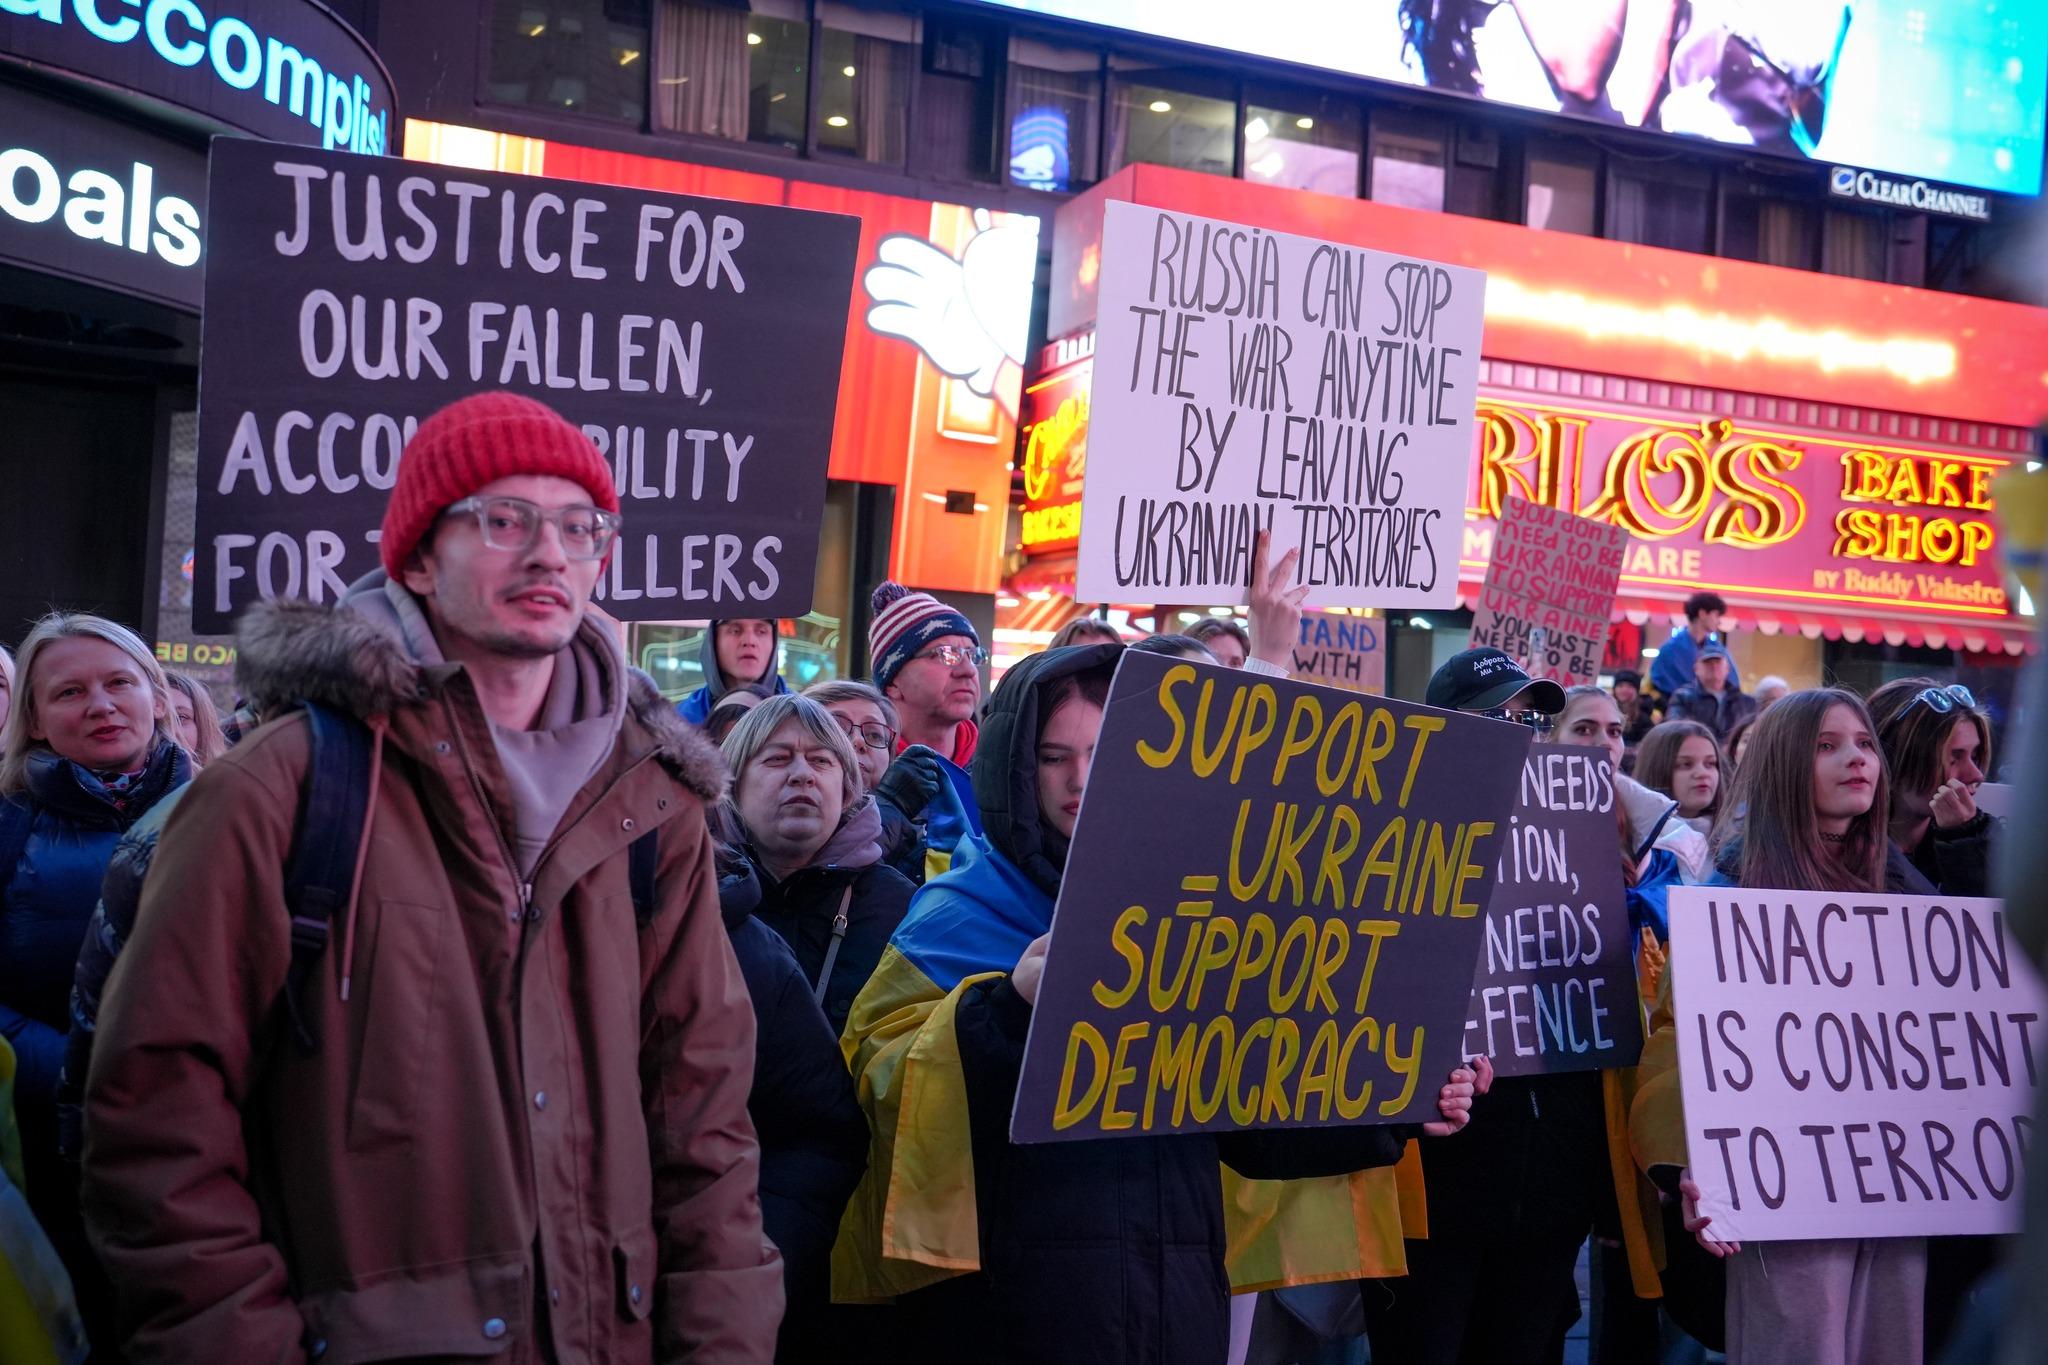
2010, 635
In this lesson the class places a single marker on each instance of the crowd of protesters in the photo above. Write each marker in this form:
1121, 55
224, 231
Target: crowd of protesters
644, 1031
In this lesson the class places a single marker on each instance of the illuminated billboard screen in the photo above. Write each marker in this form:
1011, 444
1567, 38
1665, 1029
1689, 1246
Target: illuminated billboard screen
1949, 90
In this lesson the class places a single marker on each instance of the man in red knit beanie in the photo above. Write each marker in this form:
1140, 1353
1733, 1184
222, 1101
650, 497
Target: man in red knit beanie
520, 1128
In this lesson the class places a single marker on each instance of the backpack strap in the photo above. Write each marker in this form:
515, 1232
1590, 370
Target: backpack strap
320, 870
832, 953
643, 857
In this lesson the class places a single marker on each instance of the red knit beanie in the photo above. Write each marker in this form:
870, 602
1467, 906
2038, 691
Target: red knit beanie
476, 441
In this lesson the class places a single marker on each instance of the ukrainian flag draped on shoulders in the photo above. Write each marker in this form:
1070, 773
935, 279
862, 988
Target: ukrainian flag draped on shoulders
913, 1221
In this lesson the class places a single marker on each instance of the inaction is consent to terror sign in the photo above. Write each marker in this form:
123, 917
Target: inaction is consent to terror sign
1853, 1065
696, 341
1270, 910
1248, 380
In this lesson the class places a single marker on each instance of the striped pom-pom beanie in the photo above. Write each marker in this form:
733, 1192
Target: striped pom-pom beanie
476, 441
905, 622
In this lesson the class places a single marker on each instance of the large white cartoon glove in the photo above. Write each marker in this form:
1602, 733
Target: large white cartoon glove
968, 316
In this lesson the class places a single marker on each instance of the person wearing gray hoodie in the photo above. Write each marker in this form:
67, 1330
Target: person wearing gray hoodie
738, 653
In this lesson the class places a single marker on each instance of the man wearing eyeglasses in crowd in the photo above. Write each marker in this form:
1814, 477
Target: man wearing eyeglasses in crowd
515, 1120
927, 660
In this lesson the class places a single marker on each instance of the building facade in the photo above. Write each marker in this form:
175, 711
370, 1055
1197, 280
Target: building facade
1886, 210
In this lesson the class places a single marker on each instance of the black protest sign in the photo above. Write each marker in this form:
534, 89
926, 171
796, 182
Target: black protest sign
1270, 908
1854, 1065
1555, 988
696, 341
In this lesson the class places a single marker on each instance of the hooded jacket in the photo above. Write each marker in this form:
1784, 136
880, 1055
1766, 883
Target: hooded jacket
803, 906
524, 1131
696, 707
814, 1138
68, 825
1095, 1251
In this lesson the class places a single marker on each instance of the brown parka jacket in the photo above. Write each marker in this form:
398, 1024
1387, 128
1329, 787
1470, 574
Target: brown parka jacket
524, 1134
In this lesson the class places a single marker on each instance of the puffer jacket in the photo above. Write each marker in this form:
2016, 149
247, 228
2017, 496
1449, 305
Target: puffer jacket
814, 1138
802, 908
1109, 1250
696, 707
66, 825
523, 1133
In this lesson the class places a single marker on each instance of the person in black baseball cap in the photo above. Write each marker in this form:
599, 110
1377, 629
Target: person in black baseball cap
1510, 1208
1490, 683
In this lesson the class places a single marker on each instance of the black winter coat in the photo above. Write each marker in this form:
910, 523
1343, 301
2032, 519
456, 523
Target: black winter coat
802, 908
1105, 1252
814, 1137
1958, 861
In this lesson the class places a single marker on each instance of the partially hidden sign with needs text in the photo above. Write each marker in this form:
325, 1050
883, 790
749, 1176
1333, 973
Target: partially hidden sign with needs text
1549, 591
1270, 909
1555, 989
1248, 380
1855, 1064
697, 342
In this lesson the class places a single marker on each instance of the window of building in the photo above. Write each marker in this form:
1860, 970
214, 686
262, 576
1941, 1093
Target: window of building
582, 56
1409, 158
866, 60
1167, 119
956, 101
1309, 144
1853, 244
1759, 224
1561, 190
1054, 106
724, 72
1660, 204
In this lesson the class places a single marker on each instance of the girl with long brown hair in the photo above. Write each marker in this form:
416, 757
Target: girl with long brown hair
1937, 742
1816, 795
1683, 760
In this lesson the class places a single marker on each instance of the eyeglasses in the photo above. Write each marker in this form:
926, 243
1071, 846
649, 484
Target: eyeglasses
872, 733
1946, 699
1539, 721
952, 656
513, 524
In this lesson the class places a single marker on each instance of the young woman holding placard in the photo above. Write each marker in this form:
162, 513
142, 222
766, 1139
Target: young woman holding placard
1815, 789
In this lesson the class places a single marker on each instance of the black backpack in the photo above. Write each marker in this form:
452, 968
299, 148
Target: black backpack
320, 869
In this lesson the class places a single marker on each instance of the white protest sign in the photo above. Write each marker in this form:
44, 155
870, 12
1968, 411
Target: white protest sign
1549, 591
1853, 1065
1995, 798
1249, 380
1341, 651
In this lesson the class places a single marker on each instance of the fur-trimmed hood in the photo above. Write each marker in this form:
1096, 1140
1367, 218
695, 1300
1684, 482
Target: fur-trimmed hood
292, 651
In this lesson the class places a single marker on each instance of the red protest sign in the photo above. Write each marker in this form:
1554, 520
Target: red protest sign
1549, 590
